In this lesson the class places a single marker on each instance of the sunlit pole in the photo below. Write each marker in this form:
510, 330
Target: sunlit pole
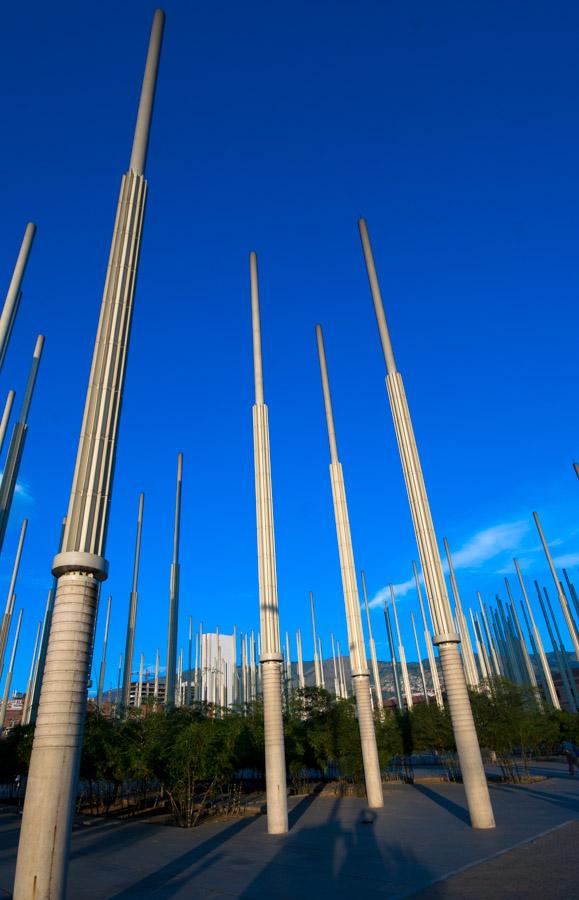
564, 662
16, 446
6, 417
468, 655
133, 602
14, 295
301, 677
7, 617
104, 658
562, 598
174, 594
393, 657
475, 783
270, 657
422, 675
358, 662
8, 683
317, 673
30, 682
428, 640
41, 870
401, 653
373, 657
566, 687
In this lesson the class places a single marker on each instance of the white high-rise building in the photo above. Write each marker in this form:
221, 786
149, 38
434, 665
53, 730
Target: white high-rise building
217, 669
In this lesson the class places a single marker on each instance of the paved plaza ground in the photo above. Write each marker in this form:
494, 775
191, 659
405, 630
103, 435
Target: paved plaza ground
420, 845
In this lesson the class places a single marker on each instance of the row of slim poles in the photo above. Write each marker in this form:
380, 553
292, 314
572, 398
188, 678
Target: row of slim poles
9, 479
80, 567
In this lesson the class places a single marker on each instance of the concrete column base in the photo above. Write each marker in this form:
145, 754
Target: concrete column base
372, 774
275, 773
50, 802
473, 773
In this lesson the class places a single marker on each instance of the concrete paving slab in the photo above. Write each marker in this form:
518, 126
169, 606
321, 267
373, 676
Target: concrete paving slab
420, 837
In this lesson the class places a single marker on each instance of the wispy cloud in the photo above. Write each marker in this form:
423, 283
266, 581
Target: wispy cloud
566, 559
22, 490
474, 553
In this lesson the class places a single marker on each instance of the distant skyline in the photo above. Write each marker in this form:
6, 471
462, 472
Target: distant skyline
453, 131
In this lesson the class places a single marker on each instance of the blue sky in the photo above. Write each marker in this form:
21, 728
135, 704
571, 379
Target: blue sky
453, 130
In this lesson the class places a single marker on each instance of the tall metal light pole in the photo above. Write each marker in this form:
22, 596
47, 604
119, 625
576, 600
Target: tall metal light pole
174, 594
30, 682
395, 677
14, 294
7, 617
271, 656
6, 417
39, 672
401, 653
133, 602
358, 662
569, 621
103, 668
16, 446
468, 655
475, 783
42, 864
373, 657
317, 672
565, 684
428, 640
8, 683
422, 676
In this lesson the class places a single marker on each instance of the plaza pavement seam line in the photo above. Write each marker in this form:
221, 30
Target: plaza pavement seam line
479, 862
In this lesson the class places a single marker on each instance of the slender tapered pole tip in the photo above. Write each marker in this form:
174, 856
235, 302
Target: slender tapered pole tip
256, 329
145, 113
377, 298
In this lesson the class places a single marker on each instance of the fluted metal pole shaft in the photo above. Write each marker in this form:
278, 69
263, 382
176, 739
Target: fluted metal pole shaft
39, 674
41, 870
7, 617
373, 657
317, 675
569, 621
104, 658
468, 655
563, 653
422, 675
29, 683
491, 645
6, 417
401, 653
8, 683
16, 447
358, 662
133, 603
271, 656
174, 594
428, 640
12, 302
393, 657
560, 662
476, 788
519, 633
301, 678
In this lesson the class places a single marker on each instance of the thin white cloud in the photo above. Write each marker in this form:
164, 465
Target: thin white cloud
22, 490
566, 560
489, 543
479, 549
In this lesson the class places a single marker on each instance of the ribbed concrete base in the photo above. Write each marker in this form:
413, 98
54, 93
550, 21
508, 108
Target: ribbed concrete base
42, 865
372, 774
275, 774
473, 773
